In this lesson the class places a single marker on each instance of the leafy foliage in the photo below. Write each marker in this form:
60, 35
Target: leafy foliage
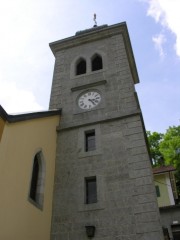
154, 140
170, 146
165, 149
165, 146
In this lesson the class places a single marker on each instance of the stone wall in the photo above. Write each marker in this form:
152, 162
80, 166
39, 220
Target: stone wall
127, 207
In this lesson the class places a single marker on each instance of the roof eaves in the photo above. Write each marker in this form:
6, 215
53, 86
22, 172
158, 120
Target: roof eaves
3, 113
164, 170
27, 116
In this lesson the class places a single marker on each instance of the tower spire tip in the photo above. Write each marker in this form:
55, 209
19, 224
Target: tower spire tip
95, 22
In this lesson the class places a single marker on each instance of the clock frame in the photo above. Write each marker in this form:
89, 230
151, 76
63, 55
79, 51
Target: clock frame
89, 100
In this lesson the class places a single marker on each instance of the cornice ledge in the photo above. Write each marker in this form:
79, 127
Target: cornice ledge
72, 125
90, 36
89, 85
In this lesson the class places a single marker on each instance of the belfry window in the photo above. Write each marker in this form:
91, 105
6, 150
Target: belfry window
81, 67
97, 63
36, 193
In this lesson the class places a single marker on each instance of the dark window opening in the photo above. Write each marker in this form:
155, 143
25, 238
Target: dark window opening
34, 180
97, 63
90, 141
81, 67
175, 231
36, 191
166, 233
91, 190
157, 191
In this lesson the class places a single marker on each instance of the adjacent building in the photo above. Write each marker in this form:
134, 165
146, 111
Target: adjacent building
165, 185
27, 165
167, 196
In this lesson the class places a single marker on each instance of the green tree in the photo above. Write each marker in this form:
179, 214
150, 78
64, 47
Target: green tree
167, 147
170, 149
170, 146
154, 140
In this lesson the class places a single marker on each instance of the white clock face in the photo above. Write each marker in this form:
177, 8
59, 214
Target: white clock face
89, 100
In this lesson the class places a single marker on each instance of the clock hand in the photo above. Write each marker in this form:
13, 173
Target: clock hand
92, 101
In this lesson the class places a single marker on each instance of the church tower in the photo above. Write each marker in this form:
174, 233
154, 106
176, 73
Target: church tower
103, 180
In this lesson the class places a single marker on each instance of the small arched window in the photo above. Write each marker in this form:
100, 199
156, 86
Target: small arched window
81, 66
36, 193
97, 63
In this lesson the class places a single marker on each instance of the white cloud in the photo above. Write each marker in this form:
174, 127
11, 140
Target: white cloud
14, 99
159, 40
155, 10
166, 12
23, 54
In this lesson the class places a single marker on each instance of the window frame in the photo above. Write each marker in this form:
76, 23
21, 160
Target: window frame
34, 179
95, 62
36, 189
89, 146
80, 70
157, 191
90, 196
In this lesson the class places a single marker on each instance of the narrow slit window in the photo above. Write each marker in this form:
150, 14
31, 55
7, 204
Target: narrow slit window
90, 141
97, 63
81, 67
34, 180
91, 190
36, 192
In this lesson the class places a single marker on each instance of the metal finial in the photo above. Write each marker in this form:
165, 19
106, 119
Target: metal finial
95, 23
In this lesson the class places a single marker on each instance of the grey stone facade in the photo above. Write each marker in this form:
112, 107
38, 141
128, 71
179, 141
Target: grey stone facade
126, 207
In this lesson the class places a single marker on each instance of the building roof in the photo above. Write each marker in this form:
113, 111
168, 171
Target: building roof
27, 116
163, 169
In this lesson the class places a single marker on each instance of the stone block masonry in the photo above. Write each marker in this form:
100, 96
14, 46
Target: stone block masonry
126, 206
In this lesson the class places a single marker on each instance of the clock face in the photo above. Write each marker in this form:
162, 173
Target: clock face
89, 100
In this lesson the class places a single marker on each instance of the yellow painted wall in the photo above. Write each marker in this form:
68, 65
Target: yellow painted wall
160, 180
19, 219
2, 123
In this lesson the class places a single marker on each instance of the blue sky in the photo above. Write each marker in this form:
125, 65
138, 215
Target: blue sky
26, 61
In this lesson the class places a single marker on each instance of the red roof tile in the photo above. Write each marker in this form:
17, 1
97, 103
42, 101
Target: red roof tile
162, 169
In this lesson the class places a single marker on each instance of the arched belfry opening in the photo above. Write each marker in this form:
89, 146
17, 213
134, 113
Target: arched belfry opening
80, 66
97, 62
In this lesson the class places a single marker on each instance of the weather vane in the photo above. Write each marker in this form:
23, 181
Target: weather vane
95, 23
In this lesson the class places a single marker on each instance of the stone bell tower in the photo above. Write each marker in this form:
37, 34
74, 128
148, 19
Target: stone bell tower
103, 181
